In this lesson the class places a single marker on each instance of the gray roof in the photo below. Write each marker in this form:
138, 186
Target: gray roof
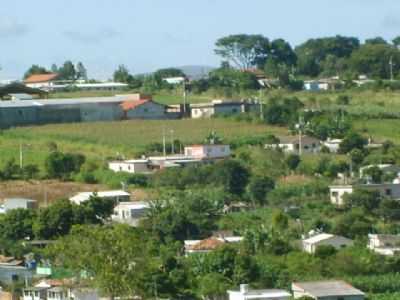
70, 101
328, 288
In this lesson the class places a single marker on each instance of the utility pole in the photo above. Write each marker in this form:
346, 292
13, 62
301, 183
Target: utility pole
20, 156
164, 146
184, 97
172, 142
391, 68
299, 127
261, 105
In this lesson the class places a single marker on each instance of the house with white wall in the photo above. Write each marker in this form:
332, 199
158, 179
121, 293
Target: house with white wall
245, 293
384, 244
326, 290
390, 190
132, 166
41, 81
117, 196
130, 213
208, 151
311, 243
292, 144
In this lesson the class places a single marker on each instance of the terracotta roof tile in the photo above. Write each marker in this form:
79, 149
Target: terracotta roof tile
128, 105
208, 244
36, 78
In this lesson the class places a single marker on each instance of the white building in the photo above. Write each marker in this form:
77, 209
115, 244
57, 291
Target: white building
207, 152
130, 212
326, 290
292, 144
117, 196
15, 203
332, 144
41, 81
311, 244
385, 168
390, 190
315, 85
248, 294
175, 80
222, 107
384, 244
130, 166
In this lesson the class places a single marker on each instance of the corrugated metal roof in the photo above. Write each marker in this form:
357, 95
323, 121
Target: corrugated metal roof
328, 288
67, 101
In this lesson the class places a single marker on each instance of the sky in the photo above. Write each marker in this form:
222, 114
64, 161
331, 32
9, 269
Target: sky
146, 35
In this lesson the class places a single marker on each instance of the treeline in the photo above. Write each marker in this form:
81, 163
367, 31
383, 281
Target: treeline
67, 71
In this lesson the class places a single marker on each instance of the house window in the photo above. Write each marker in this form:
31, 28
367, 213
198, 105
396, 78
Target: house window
335, 194
234, 110
388, 192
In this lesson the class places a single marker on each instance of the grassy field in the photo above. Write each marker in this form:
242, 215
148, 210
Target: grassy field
381, 129
103, 139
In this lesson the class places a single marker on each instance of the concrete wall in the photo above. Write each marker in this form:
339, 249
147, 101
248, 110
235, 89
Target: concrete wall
149, 110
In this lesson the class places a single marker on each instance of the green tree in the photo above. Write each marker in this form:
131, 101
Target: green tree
35, 69
242, 50
16, 224
352, 141
67, 71
292, 161
231, 175
258, 189
115, 257
81, 72
122, 74
374, 173
213, 286
369, 200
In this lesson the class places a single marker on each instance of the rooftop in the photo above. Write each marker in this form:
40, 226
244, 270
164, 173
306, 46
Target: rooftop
318, 238
328, 288
37, 78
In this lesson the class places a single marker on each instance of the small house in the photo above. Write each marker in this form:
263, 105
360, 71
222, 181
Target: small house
332, 144
142, 107
208, 152
297, 144
116, 196
41, 81
385, 168
130, 212
311, 244
384, 244
326, 290
133, 166
245, 293
390, 190
15, 203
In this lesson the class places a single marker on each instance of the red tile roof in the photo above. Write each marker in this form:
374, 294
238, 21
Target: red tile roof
207, 244
36, 78
128, 105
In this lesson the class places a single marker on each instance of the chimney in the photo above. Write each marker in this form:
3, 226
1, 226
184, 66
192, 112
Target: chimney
244, 288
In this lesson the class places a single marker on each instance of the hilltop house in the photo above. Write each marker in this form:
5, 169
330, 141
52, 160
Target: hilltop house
311, 244
117, 196
245, 293
208, 152
222, 107
385, 244
385, 168
130, 166
41, 81
390, 190
58, 290
292, 144
130, 212
326, 290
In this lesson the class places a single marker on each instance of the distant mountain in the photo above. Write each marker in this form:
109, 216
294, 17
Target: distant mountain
196, 72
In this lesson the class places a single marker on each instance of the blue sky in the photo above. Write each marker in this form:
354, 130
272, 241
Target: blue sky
150, 34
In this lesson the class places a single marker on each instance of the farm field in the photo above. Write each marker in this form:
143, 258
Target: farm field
104, 139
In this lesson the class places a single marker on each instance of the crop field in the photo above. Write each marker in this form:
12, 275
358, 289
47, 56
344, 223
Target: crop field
104, 139
381, 129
